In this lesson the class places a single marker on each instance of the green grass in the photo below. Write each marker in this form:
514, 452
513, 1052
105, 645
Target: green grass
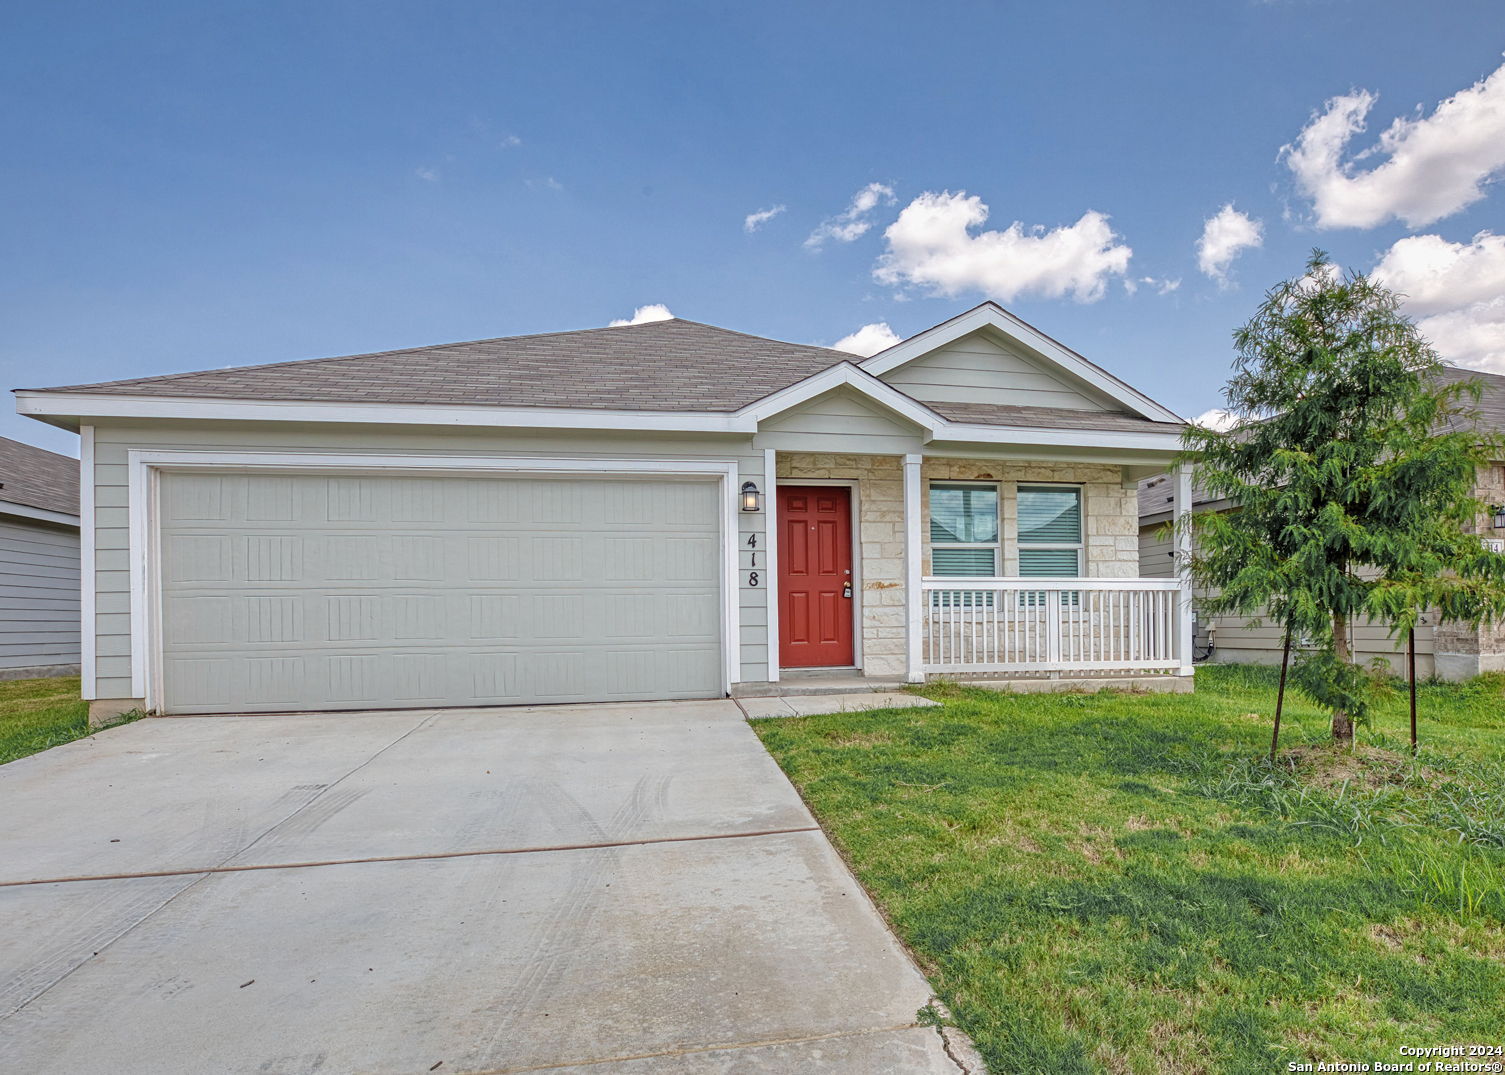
1120, 883
39, 713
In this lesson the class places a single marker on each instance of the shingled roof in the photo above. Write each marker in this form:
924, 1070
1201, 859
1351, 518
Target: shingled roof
36, 478
1004, 414
1156, 495
674, 365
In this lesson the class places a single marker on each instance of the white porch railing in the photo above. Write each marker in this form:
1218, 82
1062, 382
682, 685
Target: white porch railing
1051, 625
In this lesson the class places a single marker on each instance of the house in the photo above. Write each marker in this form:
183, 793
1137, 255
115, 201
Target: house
1447, 651
665, 510
39, 562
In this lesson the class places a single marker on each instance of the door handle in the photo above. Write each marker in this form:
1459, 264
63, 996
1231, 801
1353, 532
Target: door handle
846, 589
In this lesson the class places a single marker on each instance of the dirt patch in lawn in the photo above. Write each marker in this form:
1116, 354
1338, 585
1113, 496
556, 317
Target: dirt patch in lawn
1329, 767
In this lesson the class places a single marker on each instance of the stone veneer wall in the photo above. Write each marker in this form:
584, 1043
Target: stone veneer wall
1462, 651
1110, 513
1111, 517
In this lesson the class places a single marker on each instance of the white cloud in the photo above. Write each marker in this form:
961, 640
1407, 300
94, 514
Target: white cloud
868, 340
753, 221
655, 311
854, 221
428, 175
1218, 419
1226, 234
1434, 165
1161, 285
509, 141
931, 245
1456, 291
548, 182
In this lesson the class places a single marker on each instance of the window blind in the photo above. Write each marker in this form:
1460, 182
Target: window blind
963, 561
1050, 516
1049, 563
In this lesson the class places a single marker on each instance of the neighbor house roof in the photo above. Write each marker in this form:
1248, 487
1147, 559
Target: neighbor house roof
1156, 494
36, 478
673, 365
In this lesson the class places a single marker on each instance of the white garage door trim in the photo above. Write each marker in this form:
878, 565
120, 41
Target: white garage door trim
144, 466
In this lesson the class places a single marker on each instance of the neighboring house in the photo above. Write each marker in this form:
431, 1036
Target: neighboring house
1449, 651
39, 562
603, 515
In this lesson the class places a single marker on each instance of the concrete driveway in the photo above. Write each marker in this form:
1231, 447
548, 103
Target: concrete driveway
611, 889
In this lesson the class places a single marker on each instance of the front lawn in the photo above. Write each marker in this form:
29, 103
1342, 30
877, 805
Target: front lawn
39, 713
1118, 883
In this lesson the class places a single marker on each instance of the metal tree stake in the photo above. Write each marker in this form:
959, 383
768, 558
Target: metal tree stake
1411, 675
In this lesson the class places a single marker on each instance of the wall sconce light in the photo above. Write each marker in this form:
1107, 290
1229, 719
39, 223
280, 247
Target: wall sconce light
1499, 511
752, 500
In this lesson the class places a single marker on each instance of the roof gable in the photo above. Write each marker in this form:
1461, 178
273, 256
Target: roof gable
985, 368
860, 423
988, 350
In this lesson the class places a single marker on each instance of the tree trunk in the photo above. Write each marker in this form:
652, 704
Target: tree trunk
1342, 724
1280, 699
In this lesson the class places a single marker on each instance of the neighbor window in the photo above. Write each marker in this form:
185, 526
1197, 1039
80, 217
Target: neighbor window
1050, 534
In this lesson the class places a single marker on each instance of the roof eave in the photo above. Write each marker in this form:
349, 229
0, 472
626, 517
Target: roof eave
32, 512
71, 409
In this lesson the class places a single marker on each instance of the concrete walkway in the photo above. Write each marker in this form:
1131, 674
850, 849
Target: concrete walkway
603, 889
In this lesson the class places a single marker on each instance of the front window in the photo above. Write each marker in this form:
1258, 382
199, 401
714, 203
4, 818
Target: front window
964, 536
964, 529
1050, 535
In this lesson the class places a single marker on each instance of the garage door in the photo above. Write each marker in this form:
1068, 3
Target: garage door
293, 592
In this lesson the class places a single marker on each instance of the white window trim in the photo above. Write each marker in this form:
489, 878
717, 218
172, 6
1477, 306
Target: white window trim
1080, 547
144, 467
996, 546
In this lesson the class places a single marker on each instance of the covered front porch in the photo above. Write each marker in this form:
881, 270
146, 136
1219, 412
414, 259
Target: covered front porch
902, 568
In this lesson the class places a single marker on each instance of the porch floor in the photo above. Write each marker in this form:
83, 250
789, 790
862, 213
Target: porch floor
794, 682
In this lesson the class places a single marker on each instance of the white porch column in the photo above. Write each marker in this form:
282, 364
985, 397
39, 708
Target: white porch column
914, 599
1181, 477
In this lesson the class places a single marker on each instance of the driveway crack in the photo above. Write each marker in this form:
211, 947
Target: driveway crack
955, 1043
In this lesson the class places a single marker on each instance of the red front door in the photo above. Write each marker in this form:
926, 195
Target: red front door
815, 576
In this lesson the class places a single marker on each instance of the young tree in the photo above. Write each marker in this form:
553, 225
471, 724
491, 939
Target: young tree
1352, 481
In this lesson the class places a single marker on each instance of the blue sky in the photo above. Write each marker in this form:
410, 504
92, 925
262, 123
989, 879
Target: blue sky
188, 186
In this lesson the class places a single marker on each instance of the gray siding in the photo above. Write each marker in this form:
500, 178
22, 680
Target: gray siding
39, 596
840, 421
1156, 554
1237, 642
976, 369
113, 440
